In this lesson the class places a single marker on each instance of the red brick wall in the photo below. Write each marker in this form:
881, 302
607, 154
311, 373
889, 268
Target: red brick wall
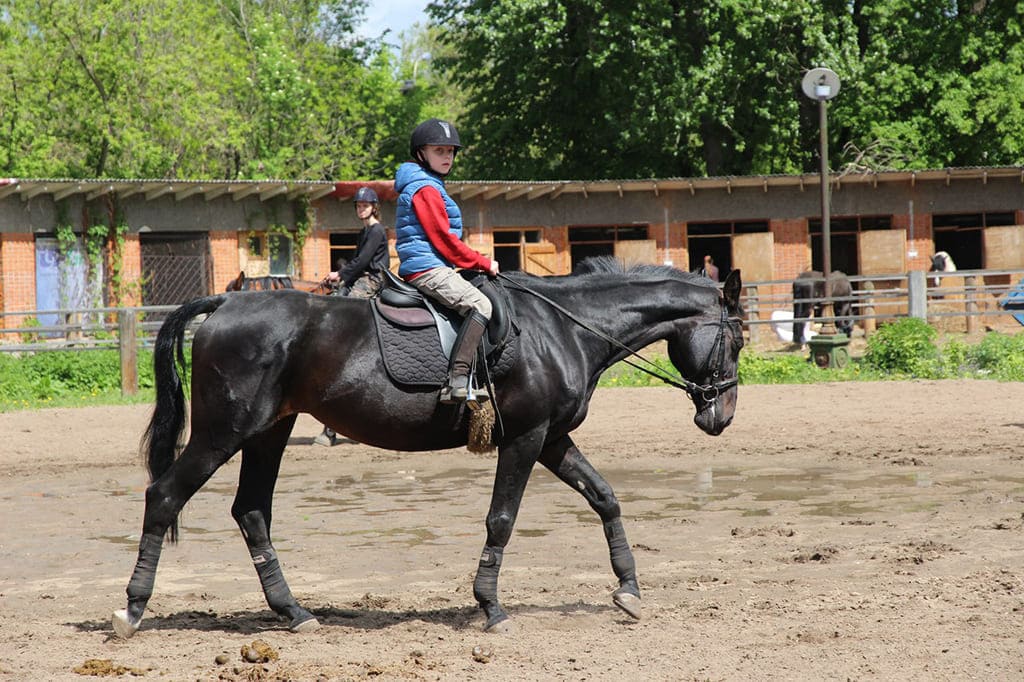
131, 272
792, 247
18, 283
224, 251
922, 242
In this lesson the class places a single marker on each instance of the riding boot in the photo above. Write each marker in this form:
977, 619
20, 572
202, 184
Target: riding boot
463, 356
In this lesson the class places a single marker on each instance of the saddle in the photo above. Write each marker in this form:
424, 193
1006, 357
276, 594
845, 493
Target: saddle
416, 334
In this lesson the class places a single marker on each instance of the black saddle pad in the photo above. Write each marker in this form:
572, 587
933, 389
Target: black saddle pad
413, 356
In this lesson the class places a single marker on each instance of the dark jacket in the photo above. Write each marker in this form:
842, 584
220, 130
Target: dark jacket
371, 255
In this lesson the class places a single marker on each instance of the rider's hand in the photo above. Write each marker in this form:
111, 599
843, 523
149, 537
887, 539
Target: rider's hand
493, 270
333, 277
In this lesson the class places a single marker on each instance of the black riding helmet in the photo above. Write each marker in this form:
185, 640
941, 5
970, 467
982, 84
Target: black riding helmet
367, 195
433, 131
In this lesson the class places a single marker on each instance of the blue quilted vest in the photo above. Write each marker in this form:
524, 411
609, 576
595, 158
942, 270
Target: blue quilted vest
414, 249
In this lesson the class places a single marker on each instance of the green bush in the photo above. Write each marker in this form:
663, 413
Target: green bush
905, 347
40, 378
998, 355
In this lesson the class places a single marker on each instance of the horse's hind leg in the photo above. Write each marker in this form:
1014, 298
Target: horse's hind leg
165, 498
261, 461
565, 460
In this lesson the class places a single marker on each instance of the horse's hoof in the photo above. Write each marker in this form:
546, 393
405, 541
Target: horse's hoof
123, 625
500, 625
305, 626
628, 602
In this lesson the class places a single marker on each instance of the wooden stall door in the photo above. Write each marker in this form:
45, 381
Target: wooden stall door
883, 252
541, 259
637, 251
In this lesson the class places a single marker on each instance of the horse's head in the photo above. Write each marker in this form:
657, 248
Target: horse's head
706, 351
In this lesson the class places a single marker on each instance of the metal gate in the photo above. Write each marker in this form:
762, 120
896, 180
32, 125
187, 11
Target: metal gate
175, 267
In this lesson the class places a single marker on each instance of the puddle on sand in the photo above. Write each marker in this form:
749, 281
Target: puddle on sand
408, 498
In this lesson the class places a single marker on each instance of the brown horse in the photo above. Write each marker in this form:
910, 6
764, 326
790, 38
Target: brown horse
272, 282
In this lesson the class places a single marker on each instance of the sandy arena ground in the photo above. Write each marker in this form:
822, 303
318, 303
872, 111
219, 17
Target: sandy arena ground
846, 531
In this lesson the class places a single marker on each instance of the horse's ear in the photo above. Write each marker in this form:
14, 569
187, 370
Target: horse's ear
731, 290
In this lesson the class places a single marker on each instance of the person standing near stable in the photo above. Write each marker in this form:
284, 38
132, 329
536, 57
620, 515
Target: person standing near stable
363, 275
428, 230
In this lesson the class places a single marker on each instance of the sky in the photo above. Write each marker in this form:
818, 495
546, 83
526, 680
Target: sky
397, 15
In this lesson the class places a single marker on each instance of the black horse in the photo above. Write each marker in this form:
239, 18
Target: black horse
261, 358
809, 289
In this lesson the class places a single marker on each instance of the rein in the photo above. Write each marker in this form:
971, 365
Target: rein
707, 392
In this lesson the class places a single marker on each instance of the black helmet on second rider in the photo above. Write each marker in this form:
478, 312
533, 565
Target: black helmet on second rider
367, 195
433, 131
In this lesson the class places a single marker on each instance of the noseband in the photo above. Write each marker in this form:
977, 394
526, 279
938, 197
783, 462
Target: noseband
706, 392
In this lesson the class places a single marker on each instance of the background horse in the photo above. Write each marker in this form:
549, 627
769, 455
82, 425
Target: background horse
274, 282
811, 285
941, 262
260, 358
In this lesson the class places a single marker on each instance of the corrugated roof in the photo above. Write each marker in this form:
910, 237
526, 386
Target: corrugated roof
487, 190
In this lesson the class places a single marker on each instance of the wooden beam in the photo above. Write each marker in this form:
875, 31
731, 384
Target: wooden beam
470, 192
187, 192
64, 193
215, 191
159, 191
7, 190
125, 191
99, 192
33, 192
242, 191
538, 192
273, 191
516, 193
495, 192
319, 192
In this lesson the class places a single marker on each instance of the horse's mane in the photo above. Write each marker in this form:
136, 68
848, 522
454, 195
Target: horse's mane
598, 265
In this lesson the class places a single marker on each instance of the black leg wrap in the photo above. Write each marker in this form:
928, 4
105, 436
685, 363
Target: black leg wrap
621, 555
485, 587
140, 587
279, 596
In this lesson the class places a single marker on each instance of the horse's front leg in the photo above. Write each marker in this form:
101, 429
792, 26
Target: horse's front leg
515, 462
565, 460
261, 462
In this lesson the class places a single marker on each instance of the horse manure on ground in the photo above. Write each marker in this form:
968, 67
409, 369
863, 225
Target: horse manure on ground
104, 667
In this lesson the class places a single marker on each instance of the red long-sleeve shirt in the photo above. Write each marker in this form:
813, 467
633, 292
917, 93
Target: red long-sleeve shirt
433, 216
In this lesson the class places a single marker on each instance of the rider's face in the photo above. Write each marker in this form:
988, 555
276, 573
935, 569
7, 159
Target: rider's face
439, 157
364, 209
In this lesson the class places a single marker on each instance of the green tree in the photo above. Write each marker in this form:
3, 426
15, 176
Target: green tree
593, 89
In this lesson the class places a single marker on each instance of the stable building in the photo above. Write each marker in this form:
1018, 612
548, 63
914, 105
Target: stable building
70, 244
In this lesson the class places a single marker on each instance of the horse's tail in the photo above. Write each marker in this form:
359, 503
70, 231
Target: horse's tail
161, 442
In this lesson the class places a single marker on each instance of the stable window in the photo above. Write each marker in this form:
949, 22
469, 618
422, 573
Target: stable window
281, 254
845, 255
343, 248
587, 241
715, 239
509, 247
960, 235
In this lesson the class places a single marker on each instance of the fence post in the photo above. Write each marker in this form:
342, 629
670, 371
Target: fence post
917, 294
752, 314
869, 323
972, 305
129, 351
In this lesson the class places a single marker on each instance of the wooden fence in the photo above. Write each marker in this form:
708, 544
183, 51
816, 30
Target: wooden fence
969, 296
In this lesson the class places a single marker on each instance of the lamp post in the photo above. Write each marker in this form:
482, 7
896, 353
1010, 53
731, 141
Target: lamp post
828, 349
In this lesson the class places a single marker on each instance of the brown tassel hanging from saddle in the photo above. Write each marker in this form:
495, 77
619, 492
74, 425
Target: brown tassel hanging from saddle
481, 423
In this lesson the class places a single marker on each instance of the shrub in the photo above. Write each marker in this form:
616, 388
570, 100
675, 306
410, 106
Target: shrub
905, 347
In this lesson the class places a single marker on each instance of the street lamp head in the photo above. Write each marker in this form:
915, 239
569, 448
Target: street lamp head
820, 84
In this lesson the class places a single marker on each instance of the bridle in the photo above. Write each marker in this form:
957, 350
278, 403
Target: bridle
707, 392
